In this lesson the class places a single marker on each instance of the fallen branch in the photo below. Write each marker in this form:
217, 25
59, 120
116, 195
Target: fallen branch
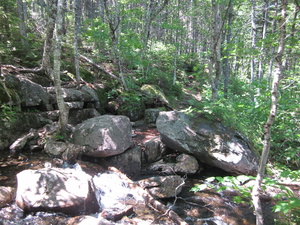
99, 67
175, 200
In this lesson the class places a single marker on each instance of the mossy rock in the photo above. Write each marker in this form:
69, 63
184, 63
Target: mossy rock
154, 96
5, 98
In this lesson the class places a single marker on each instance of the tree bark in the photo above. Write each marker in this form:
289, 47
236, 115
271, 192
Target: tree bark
273, 111
217, 26
226, 60
114, 21
264, 33
253, 46
46, 60
77, 23
63, 110
22, 17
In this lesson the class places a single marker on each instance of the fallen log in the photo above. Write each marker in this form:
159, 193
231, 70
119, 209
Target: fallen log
99, 67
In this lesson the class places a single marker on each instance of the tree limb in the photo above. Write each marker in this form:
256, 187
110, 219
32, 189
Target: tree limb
99, 67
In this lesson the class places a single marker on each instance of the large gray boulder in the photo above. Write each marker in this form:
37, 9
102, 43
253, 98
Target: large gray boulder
209, 141
104, 136
55, 189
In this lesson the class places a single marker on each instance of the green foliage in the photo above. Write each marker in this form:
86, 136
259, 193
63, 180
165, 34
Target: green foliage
287, 203
131, 105
8, 115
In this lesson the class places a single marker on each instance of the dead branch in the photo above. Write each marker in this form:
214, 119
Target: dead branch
175, 200
99, 67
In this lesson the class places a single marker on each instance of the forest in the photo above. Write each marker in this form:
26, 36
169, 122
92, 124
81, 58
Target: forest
236, 61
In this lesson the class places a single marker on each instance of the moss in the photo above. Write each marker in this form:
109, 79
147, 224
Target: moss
154, 95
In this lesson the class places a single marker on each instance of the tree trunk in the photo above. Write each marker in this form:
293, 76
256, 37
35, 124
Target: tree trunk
226, 60
77, 23
215, 48
63, 110
46, 60
114, 20
22, 17
152, 11
267, 128
253, 45
264, 33
274, 25
217, 26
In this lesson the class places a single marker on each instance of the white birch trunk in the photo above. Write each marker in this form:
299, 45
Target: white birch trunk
63, 110
76, 33
46, 62
273, 111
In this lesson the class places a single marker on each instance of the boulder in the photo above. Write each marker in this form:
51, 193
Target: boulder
129, 162
151, 115
77, 116
74, 105
72, 95
20, 143
154, 96
55, 189
114, 192
20, 124
154, 150
32, 94
89, 94
104, 136
184, 164
88, 220
7, 195
68, 151
163, 186
209, 141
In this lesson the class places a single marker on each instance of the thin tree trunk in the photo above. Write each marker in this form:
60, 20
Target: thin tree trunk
264, 33
253, 45
215, 46
273, 111
63, 110
274, 25
21, 13
214, 70
152, 12
114, 23
46, 60
76, 33
287, 60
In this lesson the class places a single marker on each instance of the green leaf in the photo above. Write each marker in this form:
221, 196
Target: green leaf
199, 187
